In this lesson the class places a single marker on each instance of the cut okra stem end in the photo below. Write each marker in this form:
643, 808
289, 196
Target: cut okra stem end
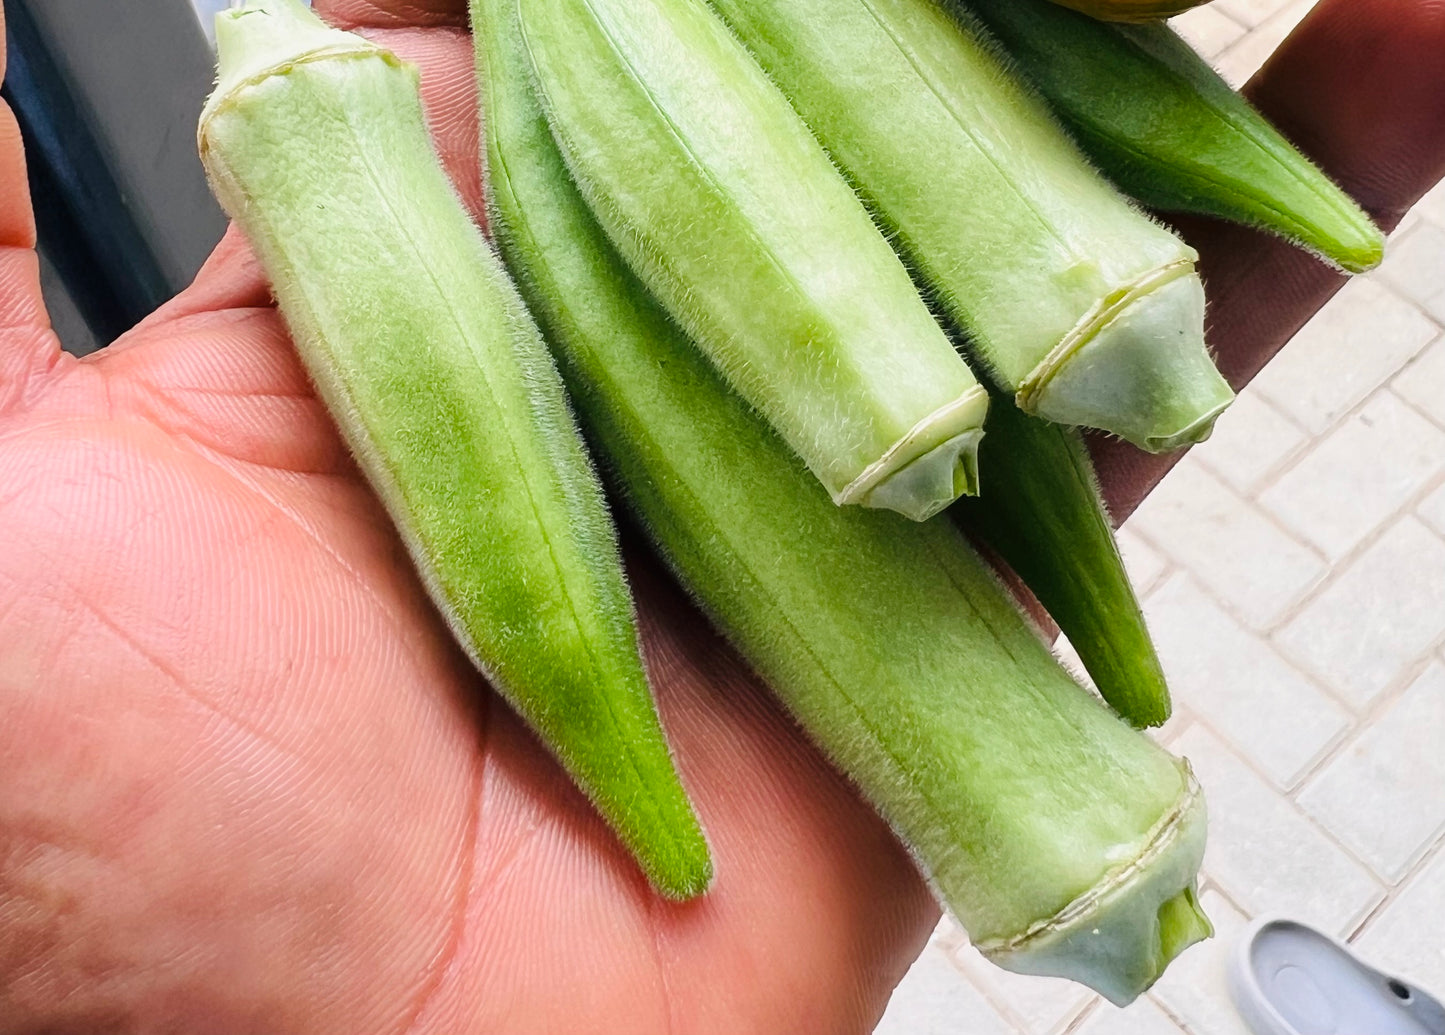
931, 466
1120, 935
264, 37
1138, 368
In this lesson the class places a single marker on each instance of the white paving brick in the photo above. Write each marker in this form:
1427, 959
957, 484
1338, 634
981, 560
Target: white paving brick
1036, 1005
1432, 509
1415, 266
1357, 342
935, 999
1143, 563
1250, 441
1432, 205
1228, 543
1239, 685
1405, 938
1384, 795
1381, 614
1250, 13
1265, 854
1207, 29
1194, 988
1243, 59
1422, 382
1358, 476
1141, 1017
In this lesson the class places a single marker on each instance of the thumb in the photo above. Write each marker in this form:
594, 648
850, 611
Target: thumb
28, 348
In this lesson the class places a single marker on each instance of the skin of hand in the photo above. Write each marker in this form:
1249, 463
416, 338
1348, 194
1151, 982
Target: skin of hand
247, 783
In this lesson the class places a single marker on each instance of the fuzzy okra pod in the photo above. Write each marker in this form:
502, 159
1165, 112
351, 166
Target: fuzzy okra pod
1089, 312
1130, 10
1160, 122
1065, 842
314, 140
1043, 515
721, 199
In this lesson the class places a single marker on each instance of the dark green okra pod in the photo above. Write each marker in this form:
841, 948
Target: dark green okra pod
314, 141
1064, 841
723, 202
1163, 125
1086, 310
1043, 515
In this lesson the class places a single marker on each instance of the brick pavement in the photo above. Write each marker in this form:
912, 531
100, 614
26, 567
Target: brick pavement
1293, 573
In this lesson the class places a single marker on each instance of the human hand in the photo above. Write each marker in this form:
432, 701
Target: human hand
248, 782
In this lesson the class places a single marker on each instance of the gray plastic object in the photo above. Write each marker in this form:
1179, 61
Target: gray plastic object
1289, 979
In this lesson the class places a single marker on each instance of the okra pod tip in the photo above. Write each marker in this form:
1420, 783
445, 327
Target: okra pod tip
1136, 366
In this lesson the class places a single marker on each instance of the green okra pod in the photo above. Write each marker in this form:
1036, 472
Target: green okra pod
1085, 309
1163, 125
1065, 842
720, 198
314, 140
1044, 517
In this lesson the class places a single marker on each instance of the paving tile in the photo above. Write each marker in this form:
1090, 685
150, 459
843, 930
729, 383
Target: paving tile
1432, 206
1357, 342
1250, 441
1404, 938
1422, 382
1228, 543
1383, 612
1264, 854
1358, 476
1243, 59
1195, 987
1234, 680
1143, 563
1415, 266
1035, 1005
1249, 13
1208, 30
1141, 1017
1432, 509
1384, 795
936, 999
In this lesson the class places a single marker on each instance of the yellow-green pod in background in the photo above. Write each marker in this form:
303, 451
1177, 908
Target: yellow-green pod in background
315, 142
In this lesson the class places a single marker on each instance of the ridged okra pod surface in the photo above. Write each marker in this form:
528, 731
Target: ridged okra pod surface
1043, 515
1160, 122
1088, 311
1065, 842
720, 198
441, 384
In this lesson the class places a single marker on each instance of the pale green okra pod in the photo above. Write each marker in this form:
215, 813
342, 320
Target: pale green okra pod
314, 140
1065, 842
1080, 305
721, 199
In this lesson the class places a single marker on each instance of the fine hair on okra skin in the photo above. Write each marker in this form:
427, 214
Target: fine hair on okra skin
1065, 842
1085, 309
1161, 123
723, 202
415, 337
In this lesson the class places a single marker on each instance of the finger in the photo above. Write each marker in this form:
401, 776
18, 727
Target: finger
233, 279
28, 349
1360, 87
351, 14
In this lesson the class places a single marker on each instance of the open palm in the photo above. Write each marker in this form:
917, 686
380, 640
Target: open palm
248, 784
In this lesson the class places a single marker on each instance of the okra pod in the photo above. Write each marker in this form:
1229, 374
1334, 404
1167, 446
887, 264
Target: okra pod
1130, 10
1162, 124
1043, 515
314, 140
1086, 310
721, 199
1065, 842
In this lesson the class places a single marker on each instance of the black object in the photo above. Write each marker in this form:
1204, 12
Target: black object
107, 96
